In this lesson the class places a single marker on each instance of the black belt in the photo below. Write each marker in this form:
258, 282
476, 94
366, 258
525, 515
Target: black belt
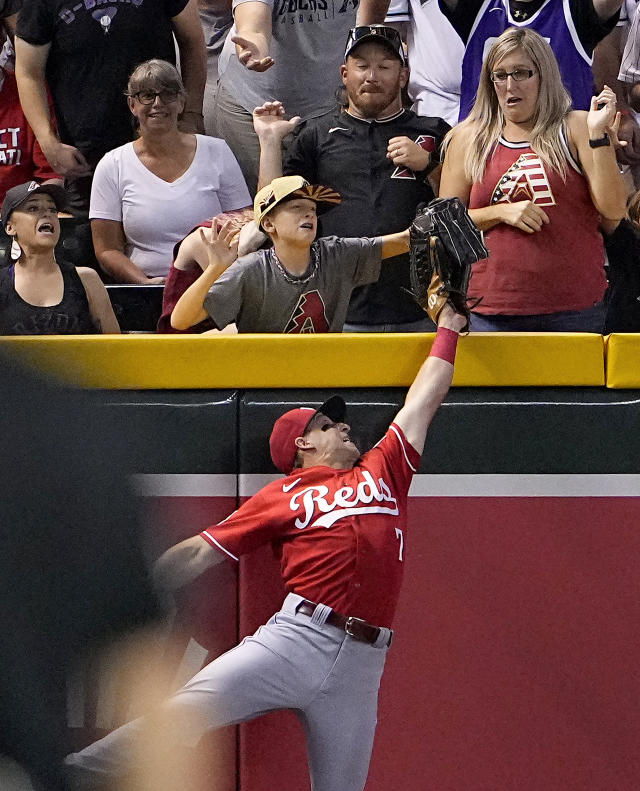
354, 627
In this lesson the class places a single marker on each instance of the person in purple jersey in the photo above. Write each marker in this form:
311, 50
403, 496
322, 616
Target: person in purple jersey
572, 28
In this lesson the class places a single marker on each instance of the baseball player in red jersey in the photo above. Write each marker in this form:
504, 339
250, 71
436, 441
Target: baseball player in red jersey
338, 521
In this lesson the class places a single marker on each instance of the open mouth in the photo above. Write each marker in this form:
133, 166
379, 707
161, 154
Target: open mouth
307, 225
512, 100
45, 227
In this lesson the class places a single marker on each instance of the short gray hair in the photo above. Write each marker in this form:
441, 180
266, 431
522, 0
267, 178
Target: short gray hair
155, 75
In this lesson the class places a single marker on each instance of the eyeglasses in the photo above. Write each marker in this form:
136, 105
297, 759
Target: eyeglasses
388, 34
519, 75
149, 97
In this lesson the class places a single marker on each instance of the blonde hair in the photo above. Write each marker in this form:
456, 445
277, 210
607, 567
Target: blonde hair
486, 119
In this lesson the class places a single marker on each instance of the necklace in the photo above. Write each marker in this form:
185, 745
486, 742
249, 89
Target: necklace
302, 279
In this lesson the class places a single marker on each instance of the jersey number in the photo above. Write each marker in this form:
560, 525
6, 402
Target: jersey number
400, 535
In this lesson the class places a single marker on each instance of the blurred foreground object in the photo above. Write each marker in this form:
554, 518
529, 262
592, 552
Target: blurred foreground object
72, 572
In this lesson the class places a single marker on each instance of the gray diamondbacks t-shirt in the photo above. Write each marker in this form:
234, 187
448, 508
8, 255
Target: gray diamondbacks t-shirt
308, 39
259, 296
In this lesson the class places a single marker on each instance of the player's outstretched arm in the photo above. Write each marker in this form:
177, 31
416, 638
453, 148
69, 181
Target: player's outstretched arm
184, 562
432, 381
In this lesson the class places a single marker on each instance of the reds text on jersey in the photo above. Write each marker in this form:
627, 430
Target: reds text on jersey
339, 534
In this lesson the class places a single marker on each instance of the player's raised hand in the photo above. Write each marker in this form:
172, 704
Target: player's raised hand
270, 123
451, 319
221, 245
253, 53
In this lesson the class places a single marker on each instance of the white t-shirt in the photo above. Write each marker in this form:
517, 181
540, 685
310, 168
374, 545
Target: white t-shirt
155, 214
630, 63
435, 58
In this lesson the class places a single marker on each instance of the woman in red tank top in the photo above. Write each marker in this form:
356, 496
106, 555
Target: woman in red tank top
540, 180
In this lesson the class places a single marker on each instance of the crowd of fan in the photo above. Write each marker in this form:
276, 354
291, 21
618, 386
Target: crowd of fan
266, 183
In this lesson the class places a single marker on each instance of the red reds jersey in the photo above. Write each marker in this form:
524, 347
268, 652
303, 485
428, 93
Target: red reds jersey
340, 534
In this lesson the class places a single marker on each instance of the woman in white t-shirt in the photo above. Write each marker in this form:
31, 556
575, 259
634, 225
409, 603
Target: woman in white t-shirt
147, 195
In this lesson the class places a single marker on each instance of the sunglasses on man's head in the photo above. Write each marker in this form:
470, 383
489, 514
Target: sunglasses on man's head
389, 34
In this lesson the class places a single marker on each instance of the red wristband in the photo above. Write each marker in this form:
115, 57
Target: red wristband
445, 345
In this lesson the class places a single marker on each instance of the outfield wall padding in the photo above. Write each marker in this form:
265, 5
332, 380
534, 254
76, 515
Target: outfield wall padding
515, 657
623, 360
514, 664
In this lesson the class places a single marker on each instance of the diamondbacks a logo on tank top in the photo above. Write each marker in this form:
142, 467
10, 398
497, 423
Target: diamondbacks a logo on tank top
526, 179
309, 315
320, 509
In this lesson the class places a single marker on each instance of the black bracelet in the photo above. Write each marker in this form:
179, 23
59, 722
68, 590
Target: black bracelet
601, 141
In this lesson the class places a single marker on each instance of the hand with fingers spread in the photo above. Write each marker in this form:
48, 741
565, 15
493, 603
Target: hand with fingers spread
270, 123
404, 152
525, 215
253, 53
221, 245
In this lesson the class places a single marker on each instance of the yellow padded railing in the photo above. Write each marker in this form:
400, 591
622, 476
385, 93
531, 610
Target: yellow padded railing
623, 360
332, 360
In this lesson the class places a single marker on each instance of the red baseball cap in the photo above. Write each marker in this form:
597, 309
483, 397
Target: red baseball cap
293, 424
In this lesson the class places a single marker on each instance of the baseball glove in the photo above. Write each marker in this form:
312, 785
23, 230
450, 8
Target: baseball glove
444, 242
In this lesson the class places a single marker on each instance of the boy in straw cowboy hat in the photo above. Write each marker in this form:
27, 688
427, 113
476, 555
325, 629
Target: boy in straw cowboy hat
300, 285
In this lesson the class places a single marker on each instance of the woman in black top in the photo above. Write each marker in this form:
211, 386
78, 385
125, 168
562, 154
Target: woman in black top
38, 295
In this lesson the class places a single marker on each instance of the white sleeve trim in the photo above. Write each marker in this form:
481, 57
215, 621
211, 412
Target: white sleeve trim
219, 545
404, 450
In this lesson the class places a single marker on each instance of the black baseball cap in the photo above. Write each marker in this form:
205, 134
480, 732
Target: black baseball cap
18, 195
381, 34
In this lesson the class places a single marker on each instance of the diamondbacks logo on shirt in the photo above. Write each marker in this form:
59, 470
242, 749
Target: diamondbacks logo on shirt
346, 501
309, 315
526, 179
426, 142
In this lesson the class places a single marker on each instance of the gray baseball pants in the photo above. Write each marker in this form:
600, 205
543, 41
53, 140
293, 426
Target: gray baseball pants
294, 661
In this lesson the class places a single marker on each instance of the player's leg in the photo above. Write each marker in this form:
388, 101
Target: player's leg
254, 677
340, 722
